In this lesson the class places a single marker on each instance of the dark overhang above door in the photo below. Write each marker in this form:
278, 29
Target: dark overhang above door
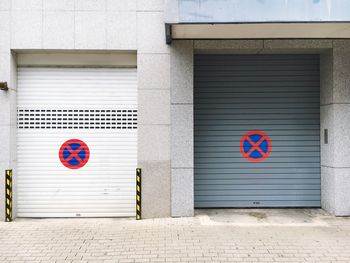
257, 19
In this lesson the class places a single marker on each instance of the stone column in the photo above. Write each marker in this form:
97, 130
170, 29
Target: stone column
335, 117
153, 63
182, 128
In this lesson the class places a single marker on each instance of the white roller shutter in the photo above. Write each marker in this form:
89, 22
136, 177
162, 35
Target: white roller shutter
95, 105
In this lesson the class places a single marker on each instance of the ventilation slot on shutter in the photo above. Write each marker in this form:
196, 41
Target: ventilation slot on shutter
76, 119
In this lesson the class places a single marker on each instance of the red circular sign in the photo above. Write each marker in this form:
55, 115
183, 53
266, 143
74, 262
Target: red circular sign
255, 146
74, 154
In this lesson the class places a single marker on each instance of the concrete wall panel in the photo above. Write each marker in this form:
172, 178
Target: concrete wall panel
326, 78
90, 5
58, 30
327, 189
182, 192
90, 30
342, 190
327, 122
155, 188
121, 5
154, 71
182, 72
5, 31
341, 56
341, 136
182, 136
150, 5
182, 128
5, 5
58, 5
27, 4
121, 30
151, 33
26, 30
153, 105
153, 143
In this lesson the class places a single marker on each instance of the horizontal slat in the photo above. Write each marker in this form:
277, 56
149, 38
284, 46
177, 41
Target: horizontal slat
234, 154
261, 198
52, 87
257, 192
254, 181
259, 176
260, 170
235, 187
253, 203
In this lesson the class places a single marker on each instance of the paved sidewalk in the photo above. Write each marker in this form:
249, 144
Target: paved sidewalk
211, 236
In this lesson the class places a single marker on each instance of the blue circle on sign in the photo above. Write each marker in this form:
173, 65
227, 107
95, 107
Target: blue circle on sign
255, 146
74, 154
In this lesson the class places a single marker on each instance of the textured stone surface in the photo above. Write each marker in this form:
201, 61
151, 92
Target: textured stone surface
341, 56
90, 30
58, 5
150, 5
182, 72
58, 30
182, 128
326, 77
90, 5
26, 29
328, 189
182, 202
5, 31
155, 188
26, 4
153, 71
121, 30
5, 5
121, 5
5, 67
151, 33
342, 190
5, 147
182, 136
5, 134
298, 44
154, 109
228, 44
327, 122
341, 135
154, 143
5, 101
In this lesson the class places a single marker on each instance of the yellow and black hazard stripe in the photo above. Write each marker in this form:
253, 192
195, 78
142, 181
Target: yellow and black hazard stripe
138, 194
8, 205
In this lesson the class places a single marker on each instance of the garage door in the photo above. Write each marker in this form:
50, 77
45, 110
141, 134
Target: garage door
257, 131
76, 142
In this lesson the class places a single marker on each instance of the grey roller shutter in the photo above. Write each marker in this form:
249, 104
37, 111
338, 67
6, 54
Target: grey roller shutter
277, 94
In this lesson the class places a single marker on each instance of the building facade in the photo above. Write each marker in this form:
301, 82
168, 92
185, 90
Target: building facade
220, 103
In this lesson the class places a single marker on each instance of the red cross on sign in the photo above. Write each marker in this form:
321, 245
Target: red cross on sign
74, 154
255, 146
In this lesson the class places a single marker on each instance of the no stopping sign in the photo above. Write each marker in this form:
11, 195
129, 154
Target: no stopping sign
255, 146
74, 154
